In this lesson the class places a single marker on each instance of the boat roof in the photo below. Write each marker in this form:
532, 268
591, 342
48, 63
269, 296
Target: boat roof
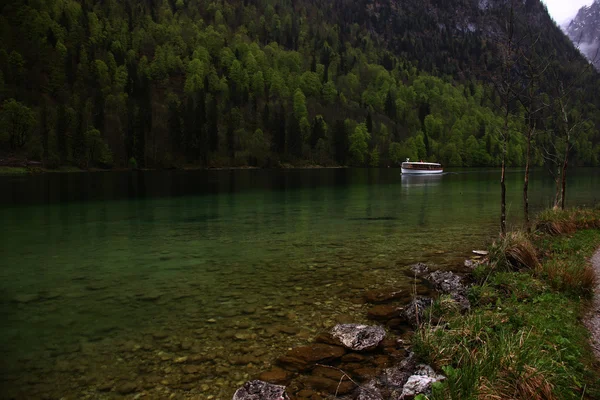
421, 163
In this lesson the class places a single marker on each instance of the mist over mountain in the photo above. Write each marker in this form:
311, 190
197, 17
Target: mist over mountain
584, 31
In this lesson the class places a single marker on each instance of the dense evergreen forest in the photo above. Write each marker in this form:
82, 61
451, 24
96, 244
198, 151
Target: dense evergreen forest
216, 83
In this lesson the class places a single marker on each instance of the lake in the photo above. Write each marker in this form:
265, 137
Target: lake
112, 278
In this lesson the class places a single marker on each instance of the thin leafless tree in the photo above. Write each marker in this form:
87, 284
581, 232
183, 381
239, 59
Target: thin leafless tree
535, 67
507, 85
567, 82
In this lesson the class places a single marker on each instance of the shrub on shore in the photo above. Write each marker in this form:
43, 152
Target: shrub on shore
485, 358
565, 265
560, 222
568, 277
513, 252
523, 338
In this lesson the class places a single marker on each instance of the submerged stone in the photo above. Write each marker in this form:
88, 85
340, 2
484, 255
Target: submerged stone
149, 296
326, 338
382, 296
246, 359
304, 357
365, 373
105, 387
354, 358
358, 337
331, 386
329, 372
259, 390
26, 298
160, 335
191, 369
125, 387
419, 269
52, 295
288, 330
96, 286
383, 312
242, 336
276, 375
306, 394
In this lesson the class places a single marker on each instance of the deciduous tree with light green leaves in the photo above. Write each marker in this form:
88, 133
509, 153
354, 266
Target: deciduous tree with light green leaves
300, 110
359, 144
98, 152
16, 122
195, 76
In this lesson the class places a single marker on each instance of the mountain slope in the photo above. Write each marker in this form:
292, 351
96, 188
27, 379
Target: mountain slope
584, 31
163, 83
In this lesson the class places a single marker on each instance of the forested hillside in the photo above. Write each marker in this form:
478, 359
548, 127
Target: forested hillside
171, 83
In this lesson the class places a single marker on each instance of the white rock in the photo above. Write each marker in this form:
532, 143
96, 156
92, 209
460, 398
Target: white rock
259, 390
358, 337
420, 382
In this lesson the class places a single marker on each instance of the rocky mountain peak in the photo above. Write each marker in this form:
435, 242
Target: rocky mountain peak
584, 31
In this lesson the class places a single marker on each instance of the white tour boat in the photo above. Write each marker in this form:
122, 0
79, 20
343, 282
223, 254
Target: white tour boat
421, 168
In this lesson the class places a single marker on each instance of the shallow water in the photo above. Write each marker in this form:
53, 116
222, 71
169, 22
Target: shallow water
110, 278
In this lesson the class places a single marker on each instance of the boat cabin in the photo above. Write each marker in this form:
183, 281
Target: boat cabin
421, 167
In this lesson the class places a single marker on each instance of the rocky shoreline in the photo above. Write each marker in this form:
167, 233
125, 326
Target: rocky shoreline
364, 362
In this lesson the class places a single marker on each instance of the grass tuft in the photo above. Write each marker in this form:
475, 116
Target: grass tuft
569, 277
527, 383
560, 222
565, 263
514, 252
484, 359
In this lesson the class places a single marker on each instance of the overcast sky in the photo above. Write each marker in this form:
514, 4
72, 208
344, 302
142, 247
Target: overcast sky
564, 10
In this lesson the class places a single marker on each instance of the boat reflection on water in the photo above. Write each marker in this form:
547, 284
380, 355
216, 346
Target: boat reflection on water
409, 180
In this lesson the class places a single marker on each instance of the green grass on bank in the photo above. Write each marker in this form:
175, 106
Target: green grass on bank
14, 171
524, 337
557, 222
38, 170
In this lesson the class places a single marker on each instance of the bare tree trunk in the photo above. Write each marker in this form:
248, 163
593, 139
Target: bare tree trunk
566, 155
503, 175
503, 200
507, 85
535, 68
557, 179
526, 182
563, 192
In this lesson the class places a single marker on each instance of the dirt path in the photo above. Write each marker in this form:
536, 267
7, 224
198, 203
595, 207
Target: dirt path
593, 319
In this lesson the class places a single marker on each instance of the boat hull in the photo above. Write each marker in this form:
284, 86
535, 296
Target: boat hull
421, 171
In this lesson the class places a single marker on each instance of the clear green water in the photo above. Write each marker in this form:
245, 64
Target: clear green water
109, 277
